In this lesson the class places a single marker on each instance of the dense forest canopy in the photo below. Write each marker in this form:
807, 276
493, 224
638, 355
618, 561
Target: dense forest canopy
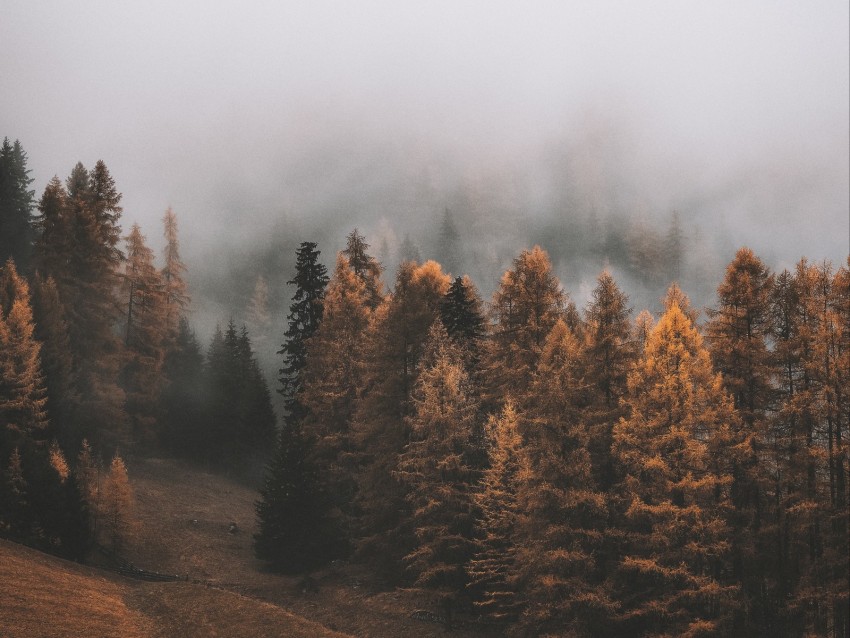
559, 465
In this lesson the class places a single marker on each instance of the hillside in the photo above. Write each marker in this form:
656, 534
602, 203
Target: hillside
45, 597
184, 527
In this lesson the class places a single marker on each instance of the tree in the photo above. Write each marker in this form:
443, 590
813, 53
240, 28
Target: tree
78, 247
145, 336
672, 573
22, 392
364, 266
674, 246
462, 315
257, 318
564, 515
117, 506
493, 568
174, 285
183, 400
294, 533
527, 304
610, 355
305, 315
436, 468
395, 347
16, 204
448, 243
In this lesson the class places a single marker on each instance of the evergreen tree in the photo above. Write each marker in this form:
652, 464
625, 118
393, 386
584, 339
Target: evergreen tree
672, 577
257, 318
674, 247
448, 250
294, 532
409, 251
16, 204
462, 315
53, 232
22, 392
437, 470
183, 400
364, 266
305, 315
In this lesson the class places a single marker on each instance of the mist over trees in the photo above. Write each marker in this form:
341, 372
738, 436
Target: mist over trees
555, 465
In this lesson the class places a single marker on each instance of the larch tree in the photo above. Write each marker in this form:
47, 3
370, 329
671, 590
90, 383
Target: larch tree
493, 573
22, 393
738, 332
437, 470
172, 274
145, 337
672, 576
610, 355
564, 513
527, 304
117, 507
395, 347
16, 205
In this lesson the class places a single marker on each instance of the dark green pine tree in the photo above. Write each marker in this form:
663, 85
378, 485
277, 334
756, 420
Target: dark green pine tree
461, 314
257, 418
182, 400
16, 204
293, 531
305, 314
448, 244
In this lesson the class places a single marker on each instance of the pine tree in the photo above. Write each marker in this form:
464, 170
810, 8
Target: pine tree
448, 250
257, 317
364, 266
22, 392
674, 247
462, 315
53, 232
16, 204
436, 468
672, 574
294, 532
183, 422
305, 315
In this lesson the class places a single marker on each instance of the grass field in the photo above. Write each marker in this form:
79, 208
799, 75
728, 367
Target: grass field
184, 518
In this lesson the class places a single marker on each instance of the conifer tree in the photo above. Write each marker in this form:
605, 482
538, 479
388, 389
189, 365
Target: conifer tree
564, 513
305, 315
364, 266
78, 247
22, 392
395, 346
294, 534
436, 468
448, 244
672, 576
183, 422
527, 304
16, 204
257, 317
172, 275
493, 569
117, 505
145, 335
610, 355
462, 315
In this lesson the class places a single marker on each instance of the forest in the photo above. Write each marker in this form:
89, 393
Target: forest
550, 468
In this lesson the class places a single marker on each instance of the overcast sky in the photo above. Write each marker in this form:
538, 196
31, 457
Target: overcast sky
201, 105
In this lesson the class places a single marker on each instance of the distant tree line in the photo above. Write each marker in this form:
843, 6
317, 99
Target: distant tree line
570, 471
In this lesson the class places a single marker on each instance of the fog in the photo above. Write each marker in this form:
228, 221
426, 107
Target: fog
266, 123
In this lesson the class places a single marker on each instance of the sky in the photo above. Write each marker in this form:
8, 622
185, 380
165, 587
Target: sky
244, 116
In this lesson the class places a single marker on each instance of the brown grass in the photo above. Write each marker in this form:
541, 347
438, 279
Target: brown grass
229, 592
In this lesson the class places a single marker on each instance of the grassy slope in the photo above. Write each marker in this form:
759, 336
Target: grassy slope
183, 519
45, 597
